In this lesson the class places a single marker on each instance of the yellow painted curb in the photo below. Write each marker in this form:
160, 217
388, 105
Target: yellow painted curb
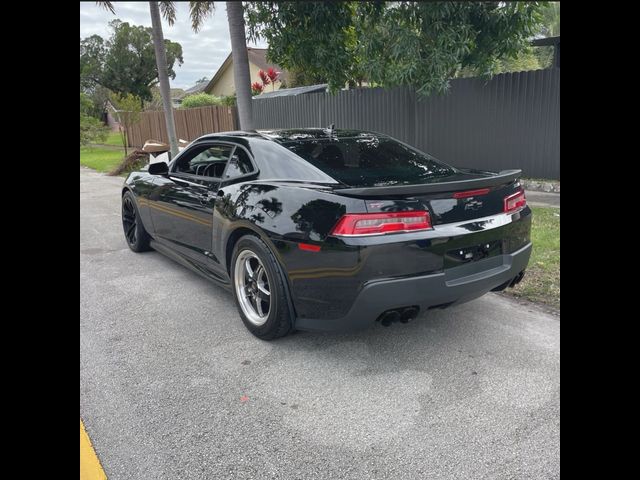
90, 468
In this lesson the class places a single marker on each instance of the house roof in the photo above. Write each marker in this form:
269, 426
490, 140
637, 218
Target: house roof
257, 56
197, 88
292, 92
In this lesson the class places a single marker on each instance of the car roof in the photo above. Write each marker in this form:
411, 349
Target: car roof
291, 134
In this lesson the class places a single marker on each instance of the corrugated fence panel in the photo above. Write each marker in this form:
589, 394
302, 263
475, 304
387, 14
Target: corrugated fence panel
288, 112
510, 121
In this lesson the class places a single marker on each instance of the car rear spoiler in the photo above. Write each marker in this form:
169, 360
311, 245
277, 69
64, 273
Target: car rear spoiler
505, 176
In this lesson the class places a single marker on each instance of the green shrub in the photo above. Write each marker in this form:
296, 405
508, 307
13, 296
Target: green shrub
91, 129
229, 100
200, 100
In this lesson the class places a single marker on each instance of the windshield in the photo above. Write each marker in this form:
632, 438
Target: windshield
369, 161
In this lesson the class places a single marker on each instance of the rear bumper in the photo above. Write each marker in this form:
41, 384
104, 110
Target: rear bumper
451, 286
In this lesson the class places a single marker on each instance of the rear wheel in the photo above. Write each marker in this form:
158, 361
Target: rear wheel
134, 233
259, 289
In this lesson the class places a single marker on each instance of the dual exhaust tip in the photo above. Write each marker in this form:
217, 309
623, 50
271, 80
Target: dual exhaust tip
402, 315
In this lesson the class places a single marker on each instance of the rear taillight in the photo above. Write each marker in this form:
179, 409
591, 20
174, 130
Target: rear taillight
355, 224
515, 201
471, 193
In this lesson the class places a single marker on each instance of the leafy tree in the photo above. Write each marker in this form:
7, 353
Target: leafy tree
551, 19
524, 61
550, 28
200, 100
422, 44
302, 78
164, 69
317, 38
529, 58
92, 52
126, 62
128, 114
98, 96
91, 129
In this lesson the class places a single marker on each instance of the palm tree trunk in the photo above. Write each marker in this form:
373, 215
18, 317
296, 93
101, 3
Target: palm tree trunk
241, 76
163, 76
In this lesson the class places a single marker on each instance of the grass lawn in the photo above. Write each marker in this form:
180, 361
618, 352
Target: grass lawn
541, 282
114, 139
100, 159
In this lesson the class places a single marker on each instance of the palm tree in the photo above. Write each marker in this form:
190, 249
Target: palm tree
163, 76
241, 76
168, 11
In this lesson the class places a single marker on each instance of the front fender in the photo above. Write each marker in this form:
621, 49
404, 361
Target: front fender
140, 184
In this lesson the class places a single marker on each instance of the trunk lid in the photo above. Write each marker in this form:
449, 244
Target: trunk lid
462, 196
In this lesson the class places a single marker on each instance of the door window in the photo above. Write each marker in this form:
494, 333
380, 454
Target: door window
205, 161
239, 164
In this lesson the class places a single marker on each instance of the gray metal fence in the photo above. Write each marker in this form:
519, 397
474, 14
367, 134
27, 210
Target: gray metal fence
510, 121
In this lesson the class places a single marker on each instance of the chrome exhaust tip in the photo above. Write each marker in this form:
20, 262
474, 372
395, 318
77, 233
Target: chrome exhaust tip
408, 313
389, 317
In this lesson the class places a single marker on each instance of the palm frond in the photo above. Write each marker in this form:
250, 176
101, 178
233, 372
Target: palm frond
199, 11
168, 10
107, 6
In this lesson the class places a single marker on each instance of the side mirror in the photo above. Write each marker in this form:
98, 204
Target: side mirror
158, 168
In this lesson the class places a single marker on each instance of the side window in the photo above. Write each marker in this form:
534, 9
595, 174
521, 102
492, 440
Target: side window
206, 161
239, 164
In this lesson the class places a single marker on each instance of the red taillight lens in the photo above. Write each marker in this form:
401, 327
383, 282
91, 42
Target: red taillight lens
515, 202
380, 223
471, 193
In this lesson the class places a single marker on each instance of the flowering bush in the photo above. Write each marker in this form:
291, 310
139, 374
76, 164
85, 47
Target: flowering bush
268, 77
256, 88
264, 77
272, 74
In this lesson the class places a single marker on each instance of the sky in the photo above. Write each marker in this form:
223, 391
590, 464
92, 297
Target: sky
203, 52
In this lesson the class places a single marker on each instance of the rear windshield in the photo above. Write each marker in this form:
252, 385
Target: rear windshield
369, 161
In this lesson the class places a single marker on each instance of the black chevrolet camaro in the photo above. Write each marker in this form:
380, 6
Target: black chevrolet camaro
322, 229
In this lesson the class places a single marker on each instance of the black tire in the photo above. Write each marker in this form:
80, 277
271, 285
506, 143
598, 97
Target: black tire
134, 233
278, 321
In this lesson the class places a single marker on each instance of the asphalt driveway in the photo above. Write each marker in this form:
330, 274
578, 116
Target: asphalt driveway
172, 385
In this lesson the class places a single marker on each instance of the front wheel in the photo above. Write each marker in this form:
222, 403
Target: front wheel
134, 233
259, 290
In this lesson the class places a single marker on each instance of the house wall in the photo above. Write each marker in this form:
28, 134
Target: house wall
226, 86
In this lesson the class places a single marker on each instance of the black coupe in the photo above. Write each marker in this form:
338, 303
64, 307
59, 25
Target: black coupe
318, 229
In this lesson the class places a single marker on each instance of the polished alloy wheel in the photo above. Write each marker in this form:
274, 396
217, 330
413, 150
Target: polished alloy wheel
252, 287
129, 220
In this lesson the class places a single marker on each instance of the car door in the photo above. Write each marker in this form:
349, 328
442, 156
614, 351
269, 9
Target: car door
182, 202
